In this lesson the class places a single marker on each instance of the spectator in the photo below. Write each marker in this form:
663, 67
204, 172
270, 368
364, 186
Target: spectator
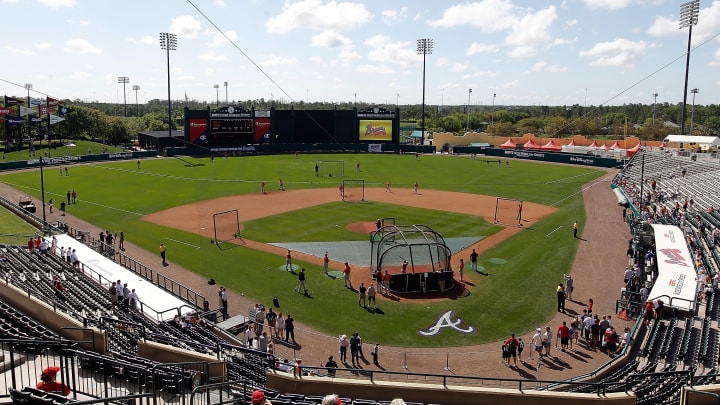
331, 399
355, 349
134, 300
290, 328
280, 326
331, 365
48, 384
263, 342
343, 348
258, 398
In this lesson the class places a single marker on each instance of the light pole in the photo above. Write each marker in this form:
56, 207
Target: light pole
492, 121
124, 80
688, 17
467, 126
168, 42
28, 87
692, 112
442, 100
217, 94
226, 94
654, 104
137, 105
424, 47
397, 100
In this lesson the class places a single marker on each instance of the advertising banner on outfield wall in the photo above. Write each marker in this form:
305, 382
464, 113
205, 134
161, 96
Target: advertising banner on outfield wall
262, 130
375, 130
198, 131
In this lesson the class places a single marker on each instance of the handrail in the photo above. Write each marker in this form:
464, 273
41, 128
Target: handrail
683, 400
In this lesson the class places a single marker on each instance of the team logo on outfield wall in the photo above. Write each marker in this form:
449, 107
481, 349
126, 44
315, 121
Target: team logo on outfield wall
446, 320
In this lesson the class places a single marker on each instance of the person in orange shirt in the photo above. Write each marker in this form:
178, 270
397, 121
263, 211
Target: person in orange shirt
326, 263
48, 384
346, 272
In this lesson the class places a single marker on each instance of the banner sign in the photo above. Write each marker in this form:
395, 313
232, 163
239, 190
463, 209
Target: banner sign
262, 130
198, 131
375, 130
676, 269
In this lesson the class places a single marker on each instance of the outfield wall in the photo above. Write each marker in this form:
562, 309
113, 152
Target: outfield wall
565, 158
68, 160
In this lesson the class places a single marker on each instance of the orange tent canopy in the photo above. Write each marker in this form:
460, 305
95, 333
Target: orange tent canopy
509, 144
531, 145
551, 146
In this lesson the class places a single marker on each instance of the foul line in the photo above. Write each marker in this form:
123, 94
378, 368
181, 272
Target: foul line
184, 243
593, 184
553, 231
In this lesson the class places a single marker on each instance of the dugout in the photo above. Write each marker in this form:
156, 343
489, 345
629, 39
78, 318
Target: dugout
428, 257
159, 140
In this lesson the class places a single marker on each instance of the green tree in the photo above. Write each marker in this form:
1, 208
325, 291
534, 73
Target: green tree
501, 129
556, 126
117, 132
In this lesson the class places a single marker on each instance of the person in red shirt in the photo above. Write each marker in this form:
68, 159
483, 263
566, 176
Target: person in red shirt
564, 334
48, 384
31, 244
386, 282
346, 272
649, 312
611, 340
511, 345
326, 263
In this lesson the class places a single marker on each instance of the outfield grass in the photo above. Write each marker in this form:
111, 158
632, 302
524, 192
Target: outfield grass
285, 227
515, 297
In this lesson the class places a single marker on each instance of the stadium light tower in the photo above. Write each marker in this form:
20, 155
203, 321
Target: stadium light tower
137, 105
654, 104
492, 121
688, 17
124, 80
168, 42
424, 47
467, 126
217, 94
692, 111
226, 94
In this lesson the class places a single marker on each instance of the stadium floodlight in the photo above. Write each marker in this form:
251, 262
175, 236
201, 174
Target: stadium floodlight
226, 94
168, 42
654, 103
424, 47
137, 105
124, 80
692, 111
217, 94
689, 13
467, 126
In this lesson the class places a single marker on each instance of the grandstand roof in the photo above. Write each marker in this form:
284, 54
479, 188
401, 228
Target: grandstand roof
702, 140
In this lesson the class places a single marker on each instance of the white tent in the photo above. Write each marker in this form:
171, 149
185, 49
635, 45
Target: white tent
705, 141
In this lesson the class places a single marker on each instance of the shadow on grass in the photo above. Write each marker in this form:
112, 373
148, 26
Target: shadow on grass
188, 163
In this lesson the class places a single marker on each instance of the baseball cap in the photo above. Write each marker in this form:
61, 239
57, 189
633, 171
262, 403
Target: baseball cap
538, 330
258, 397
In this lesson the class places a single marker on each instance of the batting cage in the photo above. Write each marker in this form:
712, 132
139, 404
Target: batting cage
424, 250
330, 168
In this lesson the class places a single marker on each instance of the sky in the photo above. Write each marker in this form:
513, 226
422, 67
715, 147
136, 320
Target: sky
508, 52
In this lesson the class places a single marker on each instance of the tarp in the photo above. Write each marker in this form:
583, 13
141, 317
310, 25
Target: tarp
675, 284
509, 144
551, 146
531, 145
698, 140
632, 151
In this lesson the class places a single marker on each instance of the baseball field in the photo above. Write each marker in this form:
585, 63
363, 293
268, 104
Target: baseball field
172, 201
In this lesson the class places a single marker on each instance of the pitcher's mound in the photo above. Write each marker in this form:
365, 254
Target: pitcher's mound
361, 227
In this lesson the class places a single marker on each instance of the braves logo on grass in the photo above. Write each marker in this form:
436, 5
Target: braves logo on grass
446, 321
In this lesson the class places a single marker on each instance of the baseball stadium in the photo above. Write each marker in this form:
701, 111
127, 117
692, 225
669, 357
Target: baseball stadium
462, 253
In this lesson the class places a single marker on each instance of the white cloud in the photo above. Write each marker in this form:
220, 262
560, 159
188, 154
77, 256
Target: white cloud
511, 84
79, 76
608, 4
219, 3
479, 74
185, 26
531, 31
186, 78
212, 56
458, 67
144, 40
313, 14
476, 48
564, 41
488, 15
43, 45
442, 61
707, 26
273, 60
58, 3
219, 39
79, 45
716, 59
546, 67
18, 51
385, 51
330, 39
619, 52
379, 69
393, 16
664, 26
571, 23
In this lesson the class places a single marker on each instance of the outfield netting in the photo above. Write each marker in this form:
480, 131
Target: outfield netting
330, 168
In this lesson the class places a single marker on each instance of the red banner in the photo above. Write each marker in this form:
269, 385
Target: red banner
198, 130
51, 102
262, 130
4, 111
